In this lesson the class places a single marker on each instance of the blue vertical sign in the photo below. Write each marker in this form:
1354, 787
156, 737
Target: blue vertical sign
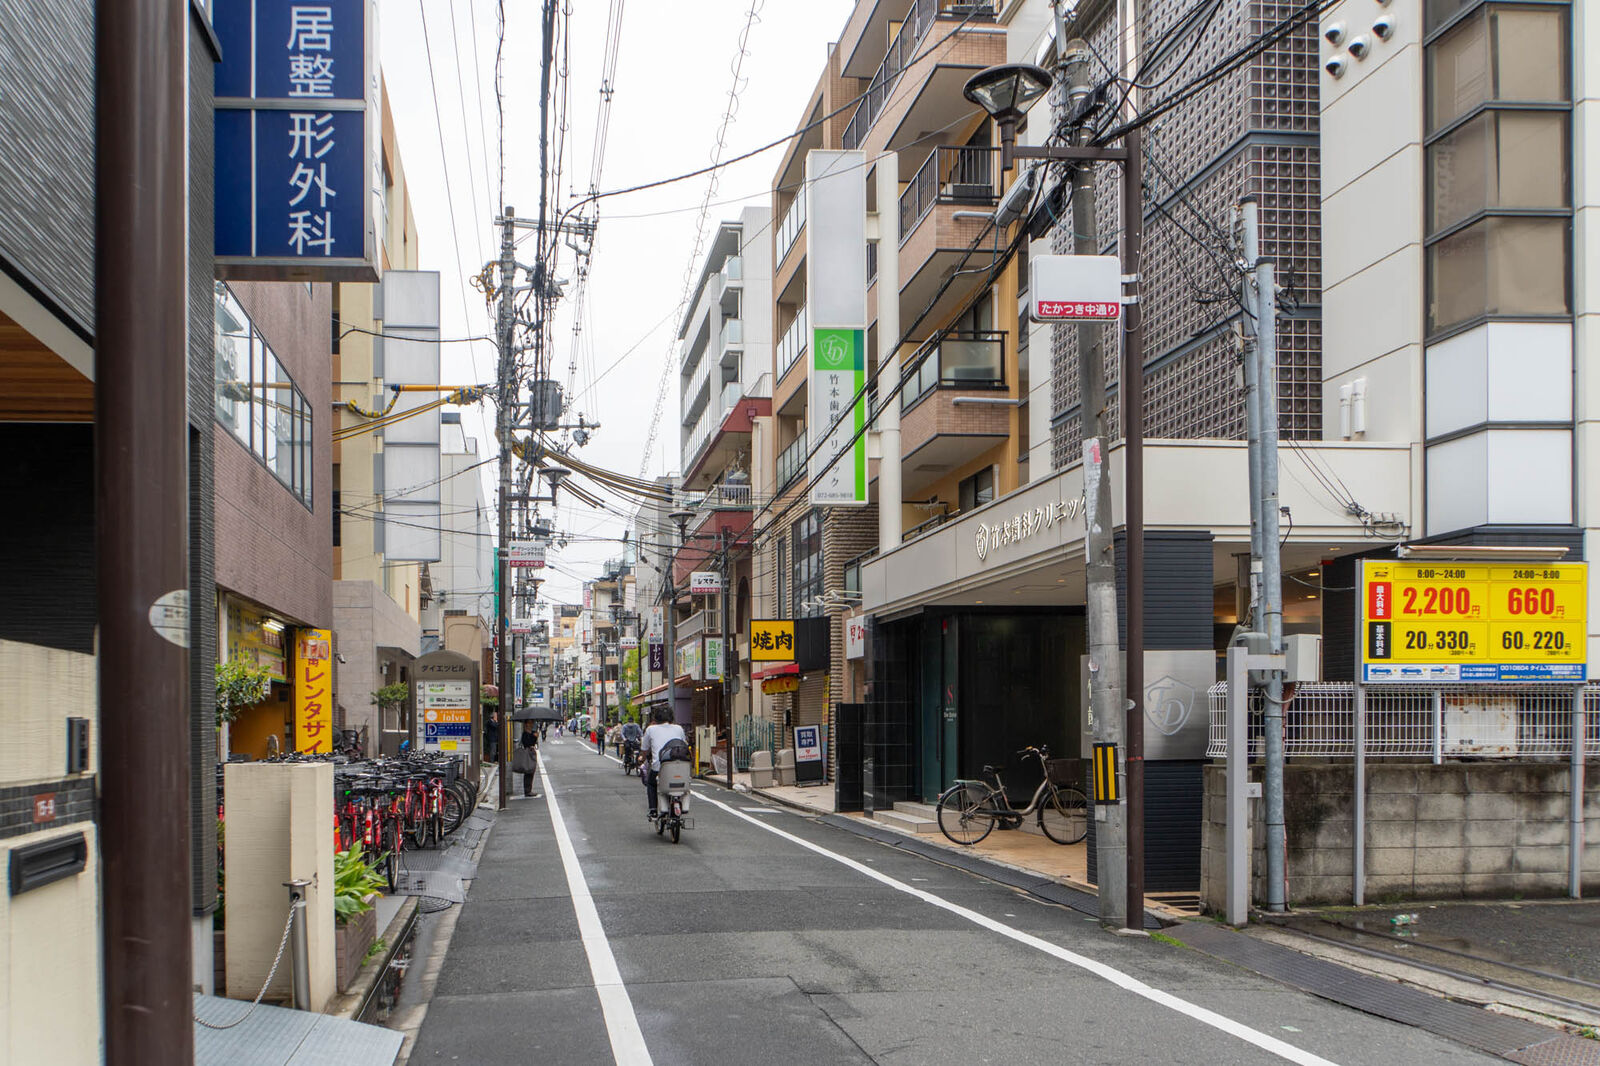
298, 164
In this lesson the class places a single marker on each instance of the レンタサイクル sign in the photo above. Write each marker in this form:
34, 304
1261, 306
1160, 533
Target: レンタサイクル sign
298, 168
1473, 622
313, 690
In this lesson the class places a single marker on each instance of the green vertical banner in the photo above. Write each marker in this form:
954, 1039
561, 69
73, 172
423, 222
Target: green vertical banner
838, 470
836, 295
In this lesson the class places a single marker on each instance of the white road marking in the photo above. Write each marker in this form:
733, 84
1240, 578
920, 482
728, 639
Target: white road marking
622, 1025
1099, 969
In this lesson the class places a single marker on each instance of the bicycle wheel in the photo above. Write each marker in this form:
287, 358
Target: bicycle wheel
677, 828
454, 812
964, 818
1064, 815
391, 858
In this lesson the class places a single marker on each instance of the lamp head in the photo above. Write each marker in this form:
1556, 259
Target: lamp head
1008, 90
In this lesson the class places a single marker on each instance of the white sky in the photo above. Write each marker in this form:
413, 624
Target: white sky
671, 87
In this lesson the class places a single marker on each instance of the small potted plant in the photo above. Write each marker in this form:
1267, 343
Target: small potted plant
356, 885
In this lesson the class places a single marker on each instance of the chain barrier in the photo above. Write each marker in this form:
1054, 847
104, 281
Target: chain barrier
283, 943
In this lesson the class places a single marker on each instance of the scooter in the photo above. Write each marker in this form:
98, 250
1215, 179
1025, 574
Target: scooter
672, 791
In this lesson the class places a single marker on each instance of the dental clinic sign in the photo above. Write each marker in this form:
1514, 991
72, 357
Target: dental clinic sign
299, 181
1019, 527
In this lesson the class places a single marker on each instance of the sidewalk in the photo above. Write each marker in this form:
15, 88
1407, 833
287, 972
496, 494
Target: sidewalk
1531, 960
1024, 850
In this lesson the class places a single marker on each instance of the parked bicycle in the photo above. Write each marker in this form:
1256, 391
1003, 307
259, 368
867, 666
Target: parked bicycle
968, 811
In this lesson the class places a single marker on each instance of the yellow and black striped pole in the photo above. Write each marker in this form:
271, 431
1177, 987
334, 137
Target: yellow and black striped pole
1105, 774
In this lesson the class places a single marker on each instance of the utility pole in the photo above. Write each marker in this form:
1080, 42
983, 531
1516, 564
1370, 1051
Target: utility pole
141, 555
729, 672
1105, 657
1271, 573
1131, 246
1250, 229
505, 323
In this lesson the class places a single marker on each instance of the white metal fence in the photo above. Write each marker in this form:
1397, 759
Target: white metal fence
1462, 721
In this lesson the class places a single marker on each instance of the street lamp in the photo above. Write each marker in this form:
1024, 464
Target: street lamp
1005, 92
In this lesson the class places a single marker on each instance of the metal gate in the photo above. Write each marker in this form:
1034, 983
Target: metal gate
752, 734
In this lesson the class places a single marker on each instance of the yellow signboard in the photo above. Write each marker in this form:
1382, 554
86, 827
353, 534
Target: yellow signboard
313, 690
1437, 622
771, 640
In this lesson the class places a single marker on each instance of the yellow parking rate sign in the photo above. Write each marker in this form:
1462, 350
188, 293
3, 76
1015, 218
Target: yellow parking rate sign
1449, 622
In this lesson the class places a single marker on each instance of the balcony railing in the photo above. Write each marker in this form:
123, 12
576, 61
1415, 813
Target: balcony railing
794, 342
951, 175
901, 52
794, 220
727, 496
733, 270
732, 334
974, 360
925, 527
792, 462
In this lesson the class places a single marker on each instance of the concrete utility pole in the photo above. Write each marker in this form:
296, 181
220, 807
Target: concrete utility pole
729, 676
1131, 245
1271, 574
1250, 230
1105, 657
505, 323
141, 500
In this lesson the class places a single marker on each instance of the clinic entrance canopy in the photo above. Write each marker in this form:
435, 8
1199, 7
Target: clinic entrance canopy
299, 168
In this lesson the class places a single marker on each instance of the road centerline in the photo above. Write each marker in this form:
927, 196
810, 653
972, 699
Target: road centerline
1106, 972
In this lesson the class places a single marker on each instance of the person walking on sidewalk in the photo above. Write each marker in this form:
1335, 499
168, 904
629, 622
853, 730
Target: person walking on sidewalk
526, 759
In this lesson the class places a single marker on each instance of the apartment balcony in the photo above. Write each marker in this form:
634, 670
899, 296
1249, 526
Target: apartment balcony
731, 342
733, 273
710, 528
954, 406
702, 623
727, 430
794, 220
917, 84
935, 235
790, 360
791, 463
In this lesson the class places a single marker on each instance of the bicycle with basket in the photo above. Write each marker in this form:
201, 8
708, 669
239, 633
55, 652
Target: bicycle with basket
969, 810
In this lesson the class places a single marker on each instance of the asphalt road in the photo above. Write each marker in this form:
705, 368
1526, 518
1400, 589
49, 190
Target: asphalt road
768, 938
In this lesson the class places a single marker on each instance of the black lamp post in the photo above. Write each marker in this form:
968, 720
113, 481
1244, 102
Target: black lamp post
1006, 92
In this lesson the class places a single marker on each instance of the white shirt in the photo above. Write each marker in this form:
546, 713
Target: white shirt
656, 737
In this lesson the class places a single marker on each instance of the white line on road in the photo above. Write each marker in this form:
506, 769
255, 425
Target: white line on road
1099, 969
622, 1025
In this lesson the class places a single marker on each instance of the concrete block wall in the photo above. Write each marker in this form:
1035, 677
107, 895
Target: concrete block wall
1452, 831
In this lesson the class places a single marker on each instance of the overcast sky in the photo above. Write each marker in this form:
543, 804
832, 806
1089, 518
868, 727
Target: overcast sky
670, 92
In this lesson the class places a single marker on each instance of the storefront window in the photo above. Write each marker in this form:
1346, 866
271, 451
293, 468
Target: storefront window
257, 401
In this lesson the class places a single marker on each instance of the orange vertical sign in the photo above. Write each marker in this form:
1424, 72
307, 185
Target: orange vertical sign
313, 690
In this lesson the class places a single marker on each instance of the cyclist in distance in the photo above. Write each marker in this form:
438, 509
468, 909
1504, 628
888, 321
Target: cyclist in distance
662, 730
632, 737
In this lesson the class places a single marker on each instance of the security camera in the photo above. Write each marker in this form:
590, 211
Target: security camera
1383, 26
1017, 198
1334, 33
1335, 66
1359, 47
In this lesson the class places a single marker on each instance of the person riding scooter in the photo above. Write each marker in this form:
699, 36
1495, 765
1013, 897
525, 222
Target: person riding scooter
662, 732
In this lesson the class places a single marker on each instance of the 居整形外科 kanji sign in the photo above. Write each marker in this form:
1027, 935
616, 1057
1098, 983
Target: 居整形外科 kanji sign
296, 141
771, 640
313, 690
1464, 622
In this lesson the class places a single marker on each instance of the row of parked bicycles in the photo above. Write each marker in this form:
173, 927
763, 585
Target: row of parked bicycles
398, 803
